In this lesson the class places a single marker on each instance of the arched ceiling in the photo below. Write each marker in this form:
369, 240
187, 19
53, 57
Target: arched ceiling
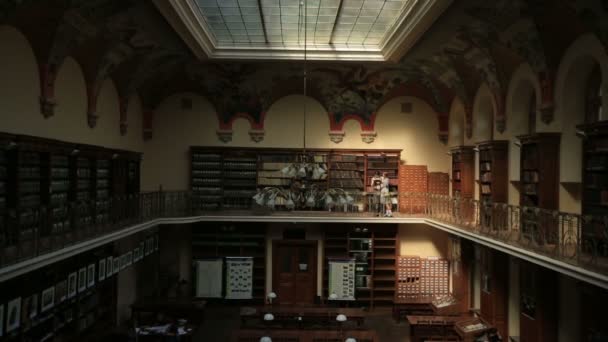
145, 53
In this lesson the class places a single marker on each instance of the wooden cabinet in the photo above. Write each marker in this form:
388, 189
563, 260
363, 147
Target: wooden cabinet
495, 289
463, 171
493, 171
595, 176
539, 303
439, 183
539, 174
413, 186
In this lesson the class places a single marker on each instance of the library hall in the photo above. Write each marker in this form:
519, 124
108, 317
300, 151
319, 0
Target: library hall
303, 171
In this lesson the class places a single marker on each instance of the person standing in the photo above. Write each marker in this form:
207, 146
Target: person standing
385, 195
376, 184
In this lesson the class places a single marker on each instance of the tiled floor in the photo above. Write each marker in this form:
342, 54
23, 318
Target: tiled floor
221, 321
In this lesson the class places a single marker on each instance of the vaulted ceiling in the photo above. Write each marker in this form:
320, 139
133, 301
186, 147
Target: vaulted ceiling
153, 49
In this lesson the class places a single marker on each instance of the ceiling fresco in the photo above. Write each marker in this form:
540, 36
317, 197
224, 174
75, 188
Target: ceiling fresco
131, 43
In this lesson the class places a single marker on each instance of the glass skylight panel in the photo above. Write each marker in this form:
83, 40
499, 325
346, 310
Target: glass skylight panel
283, 21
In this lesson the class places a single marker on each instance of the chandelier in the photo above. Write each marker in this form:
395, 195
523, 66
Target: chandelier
304, 192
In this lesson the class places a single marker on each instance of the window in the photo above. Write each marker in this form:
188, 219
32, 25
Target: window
593, 98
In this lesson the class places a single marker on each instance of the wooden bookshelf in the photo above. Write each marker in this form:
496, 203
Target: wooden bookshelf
493, 171
494, 289
374, 249
221, 177
463, 171
220, 240
5, 186
539, 156
595, 174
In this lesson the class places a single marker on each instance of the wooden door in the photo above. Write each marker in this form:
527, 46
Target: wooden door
295, 272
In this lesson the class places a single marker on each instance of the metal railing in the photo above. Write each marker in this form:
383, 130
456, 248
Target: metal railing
576, 239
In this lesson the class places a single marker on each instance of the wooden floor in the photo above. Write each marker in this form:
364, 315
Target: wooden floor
221, 321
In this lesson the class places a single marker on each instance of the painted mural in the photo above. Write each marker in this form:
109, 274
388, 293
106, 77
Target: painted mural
113, 40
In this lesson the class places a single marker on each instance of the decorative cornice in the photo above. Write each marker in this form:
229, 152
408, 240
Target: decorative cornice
256, 135
336, 136
368, 137
224, 135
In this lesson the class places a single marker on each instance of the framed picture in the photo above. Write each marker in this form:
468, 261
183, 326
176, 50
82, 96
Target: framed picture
109, 270
47, 300
13, 314
82, 279
72, 285
102, 269
116, 264
91, 275
1, 320
61, 291
29, 308
148, 247
129, 259
136, 254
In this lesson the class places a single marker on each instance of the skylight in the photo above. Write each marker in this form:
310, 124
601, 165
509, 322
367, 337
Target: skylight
348, 23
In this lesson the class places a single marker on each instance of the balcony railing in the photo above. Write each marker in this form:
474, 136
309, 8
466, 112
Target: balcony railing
575, 239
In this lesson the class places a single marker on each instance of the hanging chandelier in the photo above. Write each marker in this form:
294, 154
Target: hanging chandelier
305, 170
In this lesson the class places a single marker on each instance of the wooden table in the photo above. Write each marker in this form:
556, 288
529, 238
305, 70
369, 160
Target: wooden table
423, 328
301, 317
248, 335
412, 306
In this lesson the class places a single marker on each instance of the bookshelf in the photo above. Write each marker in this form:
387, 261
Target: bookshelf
206, 178
59, 190
493, 171
595, 176
227, 178
103, 189
463, 171
233, 240
240, 176
539, 156
374, 249
346, 171
29, 190
5, 186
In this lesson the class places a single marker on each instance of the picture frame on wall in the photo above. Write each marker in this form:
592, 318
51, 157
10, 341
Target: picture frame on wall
129, 259
82, 279
91, 275
47, 300
116, 264
13, 315
61, 291
72, 285
109, 270
29, 308
102, 269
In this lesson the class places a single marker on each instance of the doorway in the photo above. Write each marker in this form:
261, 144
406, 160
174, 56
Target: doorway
295, 272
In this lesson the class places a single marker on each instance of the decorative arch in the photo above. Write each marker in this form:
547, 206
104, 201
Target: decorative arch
456, 128
575, 68
524, 95
484, 110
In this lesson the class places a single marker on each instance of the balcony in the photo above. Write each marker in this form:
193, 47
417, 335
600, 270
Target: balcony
569, 243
